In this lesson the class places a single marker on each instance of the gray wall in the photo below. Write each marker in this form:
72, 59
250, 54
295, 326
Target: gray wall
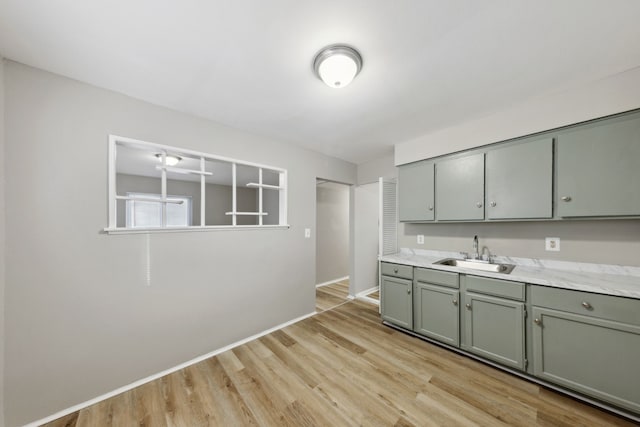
365, 254
218, 198
2, 242
584, 101
332, 231
599, 241
271, 205
372, 170
83, 317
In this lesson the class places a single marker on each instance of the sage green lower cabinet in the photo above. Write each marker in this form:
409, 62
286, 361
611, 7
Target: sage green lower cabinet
594, 356
436, 313
494, 329
396, 301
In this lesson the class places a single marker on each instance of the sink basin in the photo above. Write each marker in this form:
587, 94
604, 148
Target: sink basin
477, 265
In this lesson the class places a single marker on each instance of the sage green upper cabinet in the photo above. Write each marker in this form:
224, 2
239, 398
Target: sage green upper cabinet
460, 188
598, 169
519, 180
415, 193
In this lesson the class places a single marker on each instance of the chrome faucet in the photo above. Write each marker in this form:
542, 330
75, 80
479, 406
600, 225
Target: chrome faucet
475, 247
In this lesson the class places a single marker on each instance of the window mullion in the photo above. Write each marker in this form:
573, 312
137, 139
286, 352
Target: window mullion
163, 193
203, 188
233, 194
260, 196
282, 217
113, 203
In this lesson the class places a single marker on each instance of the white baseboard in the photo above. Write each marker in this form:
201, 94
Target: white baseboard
363, 296
369, 300
162, 373
330, 282
366, 292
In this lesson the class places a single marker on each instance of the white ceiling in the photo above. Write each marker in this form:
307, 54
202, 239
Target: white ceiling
247, 63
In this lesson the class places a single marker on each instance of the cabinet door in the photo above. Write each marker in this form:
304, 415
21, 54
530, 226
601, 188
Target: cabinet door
594, 356
396, 301
599, 169
415, 193
519, 181
494, 328
436, 313
460, 188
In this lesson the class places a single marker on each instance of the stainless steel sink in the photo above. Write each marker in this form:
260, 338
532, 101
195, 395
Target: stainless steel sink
477, 265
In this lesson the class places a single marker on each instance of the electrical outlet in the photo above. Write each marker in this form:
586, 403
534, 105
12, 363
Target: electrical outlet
552, 244
307, 233
420, 239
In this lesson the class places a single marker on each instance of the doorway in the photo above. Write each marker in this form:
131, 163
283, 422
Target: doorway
332, 244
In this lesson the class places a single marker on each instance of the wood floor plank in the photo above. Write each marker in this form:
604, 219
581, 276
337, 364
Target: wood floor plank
341, 367
66, 421
231, 406
330, 296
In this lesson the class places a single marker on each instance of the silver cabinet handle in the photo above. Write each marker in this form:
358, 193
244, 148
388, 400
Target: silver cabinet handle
493, 204
479, 204
468, 306
536, 321
408, 291
395, 270
566, 198
455, 302
587, 305
430, 208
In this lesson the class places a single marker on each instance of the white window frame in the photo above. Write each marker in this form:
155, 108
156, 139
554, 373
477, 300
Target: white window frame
114, 140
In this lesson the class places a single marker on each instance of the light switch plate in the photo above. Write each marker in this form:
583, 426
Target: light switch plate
420, 239
307, 233
552, 244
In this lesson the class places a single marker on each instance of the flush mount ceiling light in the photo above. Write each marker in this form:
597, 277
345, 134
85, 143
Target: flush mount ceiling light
171, 160
337, 65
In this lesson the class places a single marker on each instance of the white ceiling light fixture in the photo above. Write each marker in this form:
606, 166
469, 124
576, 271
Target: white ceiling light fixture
337, 65
171, 160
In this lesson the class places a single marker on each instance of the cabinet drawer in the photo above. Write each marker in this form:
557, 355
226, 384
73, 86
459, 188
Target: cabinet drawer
501, 288
626, 310
396, 270
443, 278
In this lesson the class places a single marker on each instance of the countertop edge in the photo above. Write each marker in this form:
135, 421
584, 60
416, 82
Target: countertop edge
533, 277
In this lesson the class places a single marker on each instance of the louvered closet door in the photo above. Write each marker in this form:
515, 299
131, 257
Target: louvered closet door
388, 218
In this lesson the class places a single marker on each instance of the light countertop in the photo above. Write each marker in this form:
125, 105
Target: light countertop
598, 278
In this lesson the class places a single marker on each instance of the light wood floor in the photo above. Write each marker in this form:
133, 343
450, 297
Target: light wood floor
341, 367
332, 295
374, 295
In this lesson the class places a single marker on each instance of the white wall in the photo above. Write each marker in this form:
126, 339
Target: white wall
332, 231
2, 243
82, 318
614, 94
